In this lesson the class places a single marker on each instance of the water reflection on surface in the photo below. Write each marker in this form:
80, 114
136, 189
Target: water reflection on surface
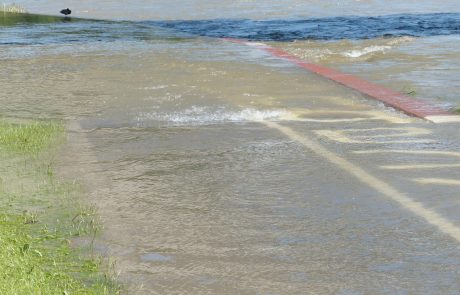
412, 53
196, 196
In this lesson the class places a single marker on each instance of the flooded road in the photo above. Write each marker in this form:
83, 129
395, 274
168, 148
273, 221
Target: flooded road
218, 169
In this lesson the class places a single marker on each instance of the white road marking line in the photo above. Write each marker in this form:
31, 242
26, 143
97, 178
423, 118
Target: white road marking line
361, 115
416, 166
329, 116
382, 187
419, 166
444, 119
331, 120
440, 181
443, 153
348, 135
403, 132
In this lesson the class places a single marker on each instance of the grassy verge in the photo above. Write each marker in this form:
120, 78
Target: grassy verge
28, 139
39, 216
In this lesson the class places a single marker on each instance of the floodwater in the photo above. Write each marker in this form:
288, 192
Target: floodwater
197, 194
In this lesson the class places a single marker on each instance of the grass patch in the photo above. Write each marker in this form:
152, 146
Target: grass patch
39, 217
408, 90
30, 138
21, 18
457, 111
41, 262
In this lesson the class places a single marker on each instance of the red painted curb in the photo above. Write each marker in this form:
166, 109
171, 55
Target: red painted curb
408, 105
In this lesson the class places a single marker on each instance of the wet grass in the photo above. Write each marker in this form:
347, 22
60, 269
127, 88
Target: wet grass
42, 262
408, 90
39, 218
31, 138
9, 17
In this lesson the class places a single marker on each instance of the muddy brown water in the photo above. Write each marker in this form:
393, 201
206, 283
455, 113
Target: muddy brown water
198, 196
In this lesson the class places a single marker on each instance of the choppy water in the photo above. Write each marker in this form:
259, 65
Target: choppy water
331, 28
195, 195
414, 53
34, 31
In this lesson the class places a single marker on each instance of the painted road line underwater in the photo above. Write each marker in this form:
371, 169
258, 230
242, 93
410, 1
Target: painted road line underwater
417, 166
374, 182
399, 101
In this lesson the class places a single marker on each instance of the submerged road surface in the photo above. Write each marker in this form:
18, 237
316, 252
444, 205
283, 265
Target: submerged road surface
273, 181
219, 169
366, 204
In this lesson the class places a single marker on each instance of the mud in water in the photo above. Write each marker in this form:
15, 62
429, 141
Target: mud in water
196, 195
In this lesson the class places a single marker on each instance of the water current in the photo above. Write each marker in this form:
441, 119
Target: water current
195, 195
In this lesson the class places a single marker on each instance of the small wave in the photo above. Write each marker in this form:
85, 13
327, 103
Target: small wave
342, 51
329, 28
156, 87
366, 50
400, 40
204, 115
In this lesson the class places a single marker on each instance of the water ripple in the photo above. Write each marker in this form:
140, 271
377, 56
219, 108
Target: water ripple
334, 28
44, 29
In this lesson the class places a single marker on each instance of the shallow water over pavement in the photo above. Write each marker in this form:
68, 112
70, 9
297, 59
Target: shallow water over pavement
198, 196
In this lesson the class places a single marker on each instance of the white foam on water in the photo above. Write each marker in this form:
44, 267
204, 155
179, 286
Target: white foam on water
154, 87
197, 115
400, 40
342, 50
366, 50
